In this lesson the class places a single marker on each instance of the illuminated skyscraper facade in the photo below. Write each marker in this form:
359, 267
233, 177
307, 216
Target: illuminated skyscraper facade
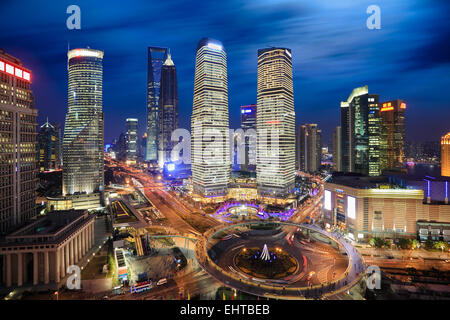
360, 133
309, 148
156, 58
248, 122
168, 112
445, 155
337, 149
210, 153
392, 134
132, 139
18, 165
83, 132
275, 167
49, 147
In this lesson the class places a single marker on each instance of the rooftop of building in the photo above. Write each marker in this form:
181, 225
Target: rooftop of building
48, 228
358, 181
415, 177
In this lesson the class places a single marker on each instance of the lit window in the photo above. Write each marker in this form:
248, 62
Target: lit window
26, 75
9, 69
18, 73
2, 66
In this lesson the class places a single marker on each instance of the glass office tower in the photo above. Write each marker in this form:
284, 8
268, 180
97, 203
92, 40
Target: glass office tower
275, 167
156, 58
392, 148
168, 112
83, 132
210, 152
132, 139
248, 122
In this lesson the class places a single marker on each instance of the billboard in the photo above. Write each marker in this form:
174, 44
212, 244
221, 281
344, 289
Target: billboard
351, 207
327, 200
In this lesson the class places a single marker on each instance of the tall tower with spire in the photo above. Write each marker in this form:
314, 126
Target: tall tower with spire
168, 110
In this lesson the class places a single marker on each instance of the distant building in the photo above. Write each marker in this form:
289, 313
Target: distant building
210, 163
40, 252
18, 165
360, 128
445, 155
156, 58
248, 122
120, 147
49, 147
309, 142
275, 118
132, 140
168, 111
337, 149
392, 134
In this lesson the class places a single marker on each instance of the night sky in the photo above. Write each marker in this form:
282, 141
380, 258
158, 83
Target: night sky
333, 52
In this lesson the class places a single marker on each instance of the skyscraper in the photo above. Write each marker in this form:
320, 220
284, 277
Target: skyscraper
49, 147
18, 170
248, 122
210, 151
309, 148
275, 167
337, 149
156, 58
132, 138
168, 112
360, 128
392, 142
445, 155
83, 132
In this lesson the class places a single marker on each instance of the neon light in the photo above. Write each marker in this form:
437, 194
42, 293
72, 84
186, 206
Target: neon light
19, 73
2, 66
403, 106
9, 69
446, 189
273, 122
387, 109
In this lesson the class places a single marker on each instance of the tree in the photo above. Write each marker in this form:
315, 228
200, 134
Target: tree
415, 244
441, 245
405, 243
429, 244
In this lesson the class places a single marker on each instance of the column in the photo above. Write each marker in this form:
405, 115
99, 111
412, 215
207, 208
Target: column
67, 256
46, 268
58, 268
80, 251
19, 269
91, 231
75, 244
83, 238
35, 268
8, 270
63, 260
71, 251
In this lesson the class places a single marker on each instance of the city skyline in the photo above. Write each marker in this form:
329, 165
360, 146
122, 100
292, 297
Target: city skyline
397, 72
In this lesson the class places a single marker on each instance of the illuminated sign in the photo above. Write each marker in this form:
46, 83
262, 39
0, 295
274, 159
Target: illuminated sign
85, 53
351, 207
387, 109
327, 201
246, 110
171, 166
403, 106
14, 71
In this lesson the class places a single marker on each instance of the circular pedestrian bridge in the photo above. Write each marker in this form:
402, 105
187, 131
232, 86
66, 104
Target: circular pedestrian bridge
318, 264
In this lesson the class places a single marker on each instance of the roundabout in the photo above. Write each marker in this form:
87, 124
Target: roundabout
281, 260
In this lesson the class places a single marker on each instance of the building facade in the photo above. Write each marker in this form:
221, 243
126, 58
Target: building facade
392, 134
360, 133
18, 165
275, 166
40, 252
248, 125
83, 133
168, 113
337, 149
156, 58
445, 155
49, 147
309, 148
132, 140
378, 209
210, 149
